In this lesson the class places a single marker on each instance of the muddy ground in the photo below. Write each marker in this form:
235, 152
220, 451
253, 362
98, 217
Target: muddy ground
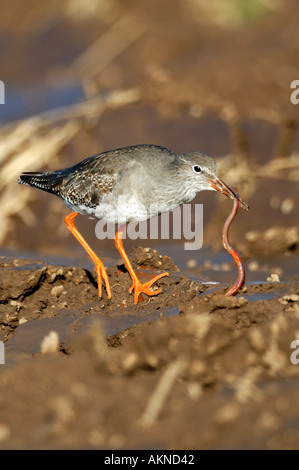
189, 368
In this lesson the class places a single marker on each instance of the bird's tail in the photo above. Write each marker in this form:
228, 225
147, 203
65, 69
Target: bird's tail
47, 181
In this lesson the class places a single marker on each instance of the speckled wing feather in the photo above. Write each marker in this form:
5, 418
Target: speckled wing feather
85, 183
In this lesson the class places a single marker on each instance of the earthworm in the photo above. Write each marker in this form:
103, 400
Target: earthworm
241, 271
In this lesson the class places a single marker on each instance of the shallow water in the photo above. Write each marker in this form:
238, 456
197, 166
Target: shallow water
27, 101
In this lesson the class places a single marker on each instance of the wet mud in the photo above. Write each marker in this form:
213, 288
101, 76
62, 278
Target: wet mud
82, 372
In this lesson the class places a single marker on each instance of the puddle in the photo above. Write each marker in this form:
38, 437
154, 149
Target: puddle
24, 102
28, 336
275, 292
71, 324
118, 321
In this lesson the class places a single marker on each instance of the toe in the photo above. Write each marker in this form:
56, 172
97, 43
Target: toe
145, 288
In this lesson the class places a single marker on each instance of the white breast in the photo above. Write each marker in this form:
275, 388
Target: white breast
121, 210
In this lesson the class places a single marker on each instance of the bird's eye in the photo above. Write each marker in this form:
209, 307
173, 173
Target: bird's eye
196, 169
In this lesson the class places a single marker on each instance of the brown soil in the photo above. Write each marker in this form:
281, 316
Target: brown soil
189, 368
224, 362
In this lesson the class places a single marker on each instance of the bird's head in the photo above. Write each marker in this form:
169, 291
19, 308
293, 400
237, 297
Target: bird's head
201, 170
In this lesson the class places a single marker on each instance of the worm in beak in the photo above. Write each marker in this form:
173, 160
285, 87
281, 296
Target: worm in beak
220, 186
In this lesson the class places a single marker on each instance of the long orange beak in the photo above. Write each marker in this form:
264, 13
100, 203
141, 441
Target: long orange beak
219, 185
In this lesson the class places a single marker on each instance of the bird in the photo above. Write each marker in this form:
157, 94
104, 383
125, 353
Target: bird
132, 183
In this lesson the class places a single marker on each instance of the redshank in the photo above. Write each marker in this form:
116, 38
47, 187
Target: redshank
129, 184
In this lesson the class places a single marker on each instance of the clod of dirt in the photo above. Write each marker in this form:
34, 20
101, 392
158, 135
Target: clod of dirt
148, 257
273, 240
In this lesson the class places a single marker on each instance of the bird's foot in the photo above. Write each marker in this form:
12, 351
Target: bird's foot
102, 276
140, 288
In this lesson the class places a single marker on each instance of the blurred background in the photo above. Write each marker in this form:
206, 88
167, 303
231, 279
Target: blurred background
86, 76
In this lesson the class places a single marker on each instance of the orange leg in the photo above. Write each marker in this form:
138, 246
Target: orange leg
137, 285
99, 266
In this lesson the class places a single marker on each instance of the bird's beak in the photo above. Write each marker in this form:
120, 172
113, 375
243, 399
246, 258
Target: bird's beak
219, 185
